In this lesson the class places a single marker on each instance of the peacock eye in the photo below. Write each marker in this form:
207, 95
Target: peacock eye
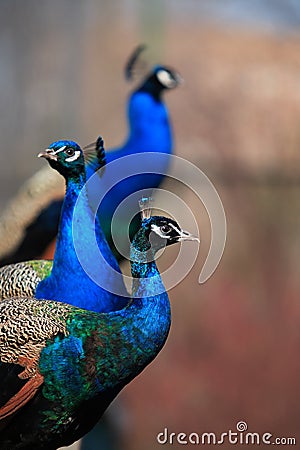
165, 228
70, 152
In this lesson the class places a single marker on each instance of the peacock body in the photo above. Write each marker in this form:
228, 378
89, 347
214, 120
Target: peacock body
58, 362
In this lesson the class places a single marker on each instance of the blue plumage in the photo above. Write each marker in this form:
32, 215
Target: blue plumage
69, 281
75, 361
150, 138
149, 130
79, 229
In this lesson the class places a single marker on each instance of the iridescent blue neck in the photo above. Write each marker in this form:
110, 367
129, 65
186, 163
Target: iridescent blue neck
144, 325
149, 124
65, 257
147, 281
152, 87
69, 281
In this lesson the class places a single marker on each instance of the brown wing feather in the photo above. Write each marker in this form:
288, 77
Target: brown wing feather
26, 393
25, 326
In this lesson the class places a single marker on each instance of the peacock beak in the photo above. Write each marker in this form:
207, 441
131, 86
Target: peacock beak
186, 236
48, 154
179, 79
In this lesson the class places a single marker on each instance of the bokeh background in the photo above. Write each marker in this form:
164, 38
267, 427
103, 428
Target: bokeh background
233, 350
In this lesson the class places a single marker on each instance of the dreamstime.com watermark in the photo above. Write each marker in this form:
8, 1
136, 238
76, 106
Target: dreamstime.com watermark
240, 436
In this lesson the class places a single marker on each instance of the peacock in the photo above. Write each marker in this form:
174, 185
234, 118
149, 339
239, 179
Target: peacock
34, 227
61, 366
65, 279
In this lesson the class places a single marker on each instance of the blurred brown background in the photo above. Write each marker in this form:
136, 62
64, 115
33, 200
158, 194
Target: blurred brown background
233, 350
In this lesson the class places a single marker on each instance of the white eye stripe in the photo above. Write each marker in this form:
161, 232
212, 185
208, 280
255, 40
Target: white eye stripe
50, 150
61, 149
174, 228
157, 230
74, 157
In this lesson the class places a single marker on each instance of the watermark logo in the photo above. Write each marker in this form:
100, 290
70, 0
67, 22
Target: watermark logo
239, 436
241, 426
167, 202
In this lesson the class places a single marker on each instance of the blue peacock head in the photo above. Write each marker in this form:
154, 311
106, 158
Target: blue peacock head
155, 80
165, 77
64, 156
160, 79
157, 232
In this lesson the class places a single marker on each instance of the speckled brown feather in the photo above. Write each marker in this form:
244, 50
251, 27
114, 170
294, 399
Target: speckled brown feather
24, 332
21, 279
